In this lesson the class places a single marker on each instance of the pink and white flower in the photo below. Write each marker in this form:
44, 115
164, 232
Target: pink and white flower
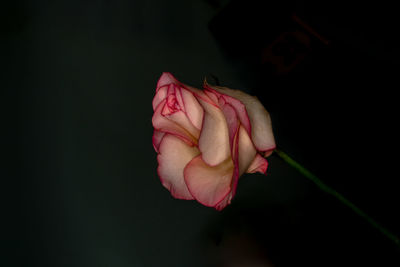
206, 139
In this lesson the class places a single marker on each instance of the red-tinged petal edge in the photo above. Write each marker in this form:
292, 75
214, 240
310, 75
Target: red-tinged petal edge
235, 158
173, 157
193, 109
239, 107
259, 164
200, 94
208, 175
247, 151
260, 120
166, 79
209, 185
157, 137
214, 136
225, 202
182, 120
212, 96
163, 124
232, 122
161, 94
268, 152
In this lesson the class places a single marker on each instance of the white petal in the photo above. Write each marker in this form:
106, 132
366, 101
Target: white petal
163, 124
209, 185
173, 157
193, 109
214, 137
259, 164
247, 151
261, 126
161, 94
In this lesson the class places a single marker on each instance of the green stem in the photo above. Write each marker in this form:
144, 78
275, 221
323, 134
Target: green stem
337, 195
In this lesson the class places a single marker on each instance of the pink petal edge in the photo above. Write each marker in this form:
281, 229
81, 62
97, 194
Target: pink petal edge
259, 164
157, 137
172, 159
163, 124
260, 120
208, 185
166, 78
193, 109
239, 107
214, 136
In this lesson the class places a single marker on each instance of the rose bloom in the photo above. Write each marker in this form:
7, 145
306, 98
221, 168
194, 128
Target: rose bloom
206, 139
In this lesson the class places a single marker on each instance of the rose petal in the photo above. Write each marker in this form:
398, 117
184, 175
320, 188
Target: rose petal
208, 185
246, 152
212, 96
224, 202
241, 111
193, 109
200, 94
232, 122
173, 157
261, 126
181, 119
171, 89
214, 136
259, 164
243, 154
179, 99
166, 79
157, 137
235, 177
239, 107
161, 94
164, 124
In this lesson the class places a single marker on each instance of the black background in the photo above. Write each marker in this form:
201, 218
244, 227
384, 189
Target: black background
80, 186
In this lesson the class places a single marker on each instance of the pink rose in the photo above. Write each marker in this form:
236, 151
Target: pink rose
206, 139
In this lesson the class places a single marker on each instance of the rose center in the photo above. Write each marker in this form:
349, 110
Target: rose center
171, 106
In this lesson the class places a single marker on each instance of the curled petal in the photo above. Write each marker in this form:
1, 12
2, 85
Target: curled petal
179, 99
246, 152
166, 79
157, 137
224, 202
239, 107
193, 109
182, 120
206, 139
209, 185
161, 94
163, 124
259, 164
173, 157
241, 111
243, 153
212, 96
214, 136
232, 122
261, 126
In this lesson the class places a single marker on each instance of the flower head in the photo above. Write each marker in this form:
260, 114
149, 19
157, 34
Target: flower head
206, 139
